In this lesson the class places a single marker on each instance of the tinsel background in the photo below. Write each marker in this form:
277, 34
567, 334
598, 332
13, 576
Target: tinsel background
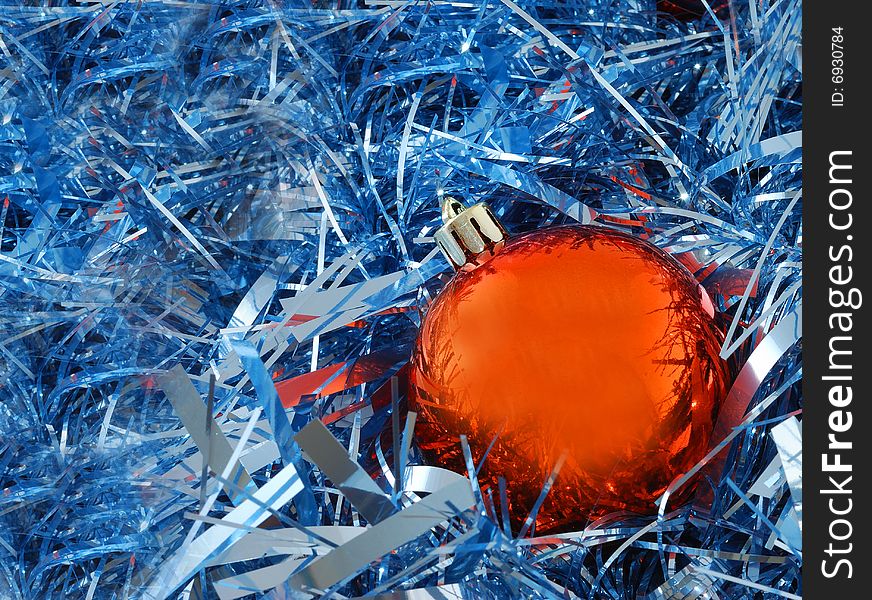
217, 226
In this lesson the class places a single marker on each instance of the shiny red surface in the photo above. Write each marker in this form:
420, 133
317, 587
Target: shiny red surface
576, 339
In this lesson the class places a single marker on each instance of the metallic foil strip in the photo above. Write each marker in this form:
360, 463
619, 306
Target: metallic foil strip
393, 532
214, 445
260, 543
788, 439
256, 580
451, 591
272, 405
187, 560
347, 475
764, 357
748, 584
715, 554
686, 584
426, 479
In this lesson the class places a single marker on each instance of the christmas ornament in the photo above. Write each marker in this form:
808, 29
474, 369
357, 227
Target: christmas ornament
575, 340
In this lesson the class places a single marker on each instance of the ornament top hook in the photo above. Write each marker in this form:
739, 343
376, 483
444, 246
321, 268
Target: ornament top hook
469, 235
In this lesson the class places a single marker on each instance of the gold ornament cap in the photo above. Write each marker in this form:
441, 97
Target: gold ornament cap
469, 235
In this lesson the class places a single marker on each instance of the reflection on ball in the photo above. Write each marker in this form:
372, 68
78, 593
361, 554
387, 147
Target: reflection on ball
575, 339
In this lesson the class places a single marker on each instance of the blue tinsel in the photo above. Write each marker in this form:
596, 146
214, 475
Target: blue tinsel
176, 175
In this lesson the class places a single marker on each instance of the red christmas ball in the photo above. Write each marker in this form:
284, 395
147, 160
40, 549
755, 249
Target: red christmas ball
576, 340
